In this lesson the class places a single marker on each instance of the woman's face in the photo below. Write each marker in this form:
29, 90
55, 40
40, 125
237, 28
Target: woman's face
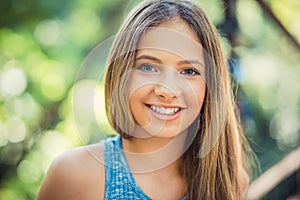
167, 84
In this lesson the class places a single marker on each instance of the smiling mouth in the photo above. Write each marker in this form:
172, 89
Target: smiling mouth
164, 111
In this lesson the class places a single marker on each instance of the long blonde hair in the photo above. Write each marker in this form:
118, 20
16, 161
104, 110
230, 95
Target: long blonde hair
218, 173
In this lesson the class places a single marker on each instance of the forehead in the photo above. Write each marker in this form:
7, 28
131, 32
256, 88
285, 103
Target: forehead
173, 36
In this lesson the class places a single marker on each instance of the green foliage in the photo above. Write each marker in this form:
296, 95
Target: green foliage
42, 45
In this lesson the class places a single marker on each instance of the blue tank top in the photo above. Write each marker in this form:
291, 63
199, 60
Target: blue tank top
120, 183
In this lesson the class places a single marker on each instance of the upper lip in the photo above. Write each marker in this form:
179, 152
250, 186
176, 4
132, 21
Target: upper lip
165, 105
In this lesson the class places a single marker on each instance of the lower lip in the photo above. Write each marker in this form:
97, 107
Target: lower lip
165, 117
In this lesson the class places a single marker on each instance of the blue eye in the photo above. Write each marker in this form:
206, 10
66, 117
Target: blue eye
147, 68
190, 72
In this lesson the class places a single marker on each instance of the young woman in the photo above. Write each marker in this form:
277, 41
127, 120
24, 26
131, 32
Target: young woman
168, 96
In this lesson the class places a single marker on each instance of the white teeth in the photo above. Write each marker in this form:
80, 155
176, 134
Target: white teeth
165, 111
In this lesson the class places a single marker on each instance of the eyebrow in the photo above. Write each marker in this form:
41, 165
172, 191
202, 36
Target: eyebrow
191, 61
147, 57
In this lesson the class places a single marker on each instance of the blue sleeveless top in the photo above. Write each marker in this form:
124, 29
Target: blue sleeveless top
119, 183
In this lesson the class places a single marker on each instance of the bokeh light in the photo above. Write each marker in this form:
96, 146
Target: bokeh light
4, 134
13, 80
49, 32
285, 127
17, 129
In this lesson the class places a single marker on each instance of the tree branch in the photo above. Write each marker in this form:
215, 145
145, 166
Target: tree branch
272, 177
266, 8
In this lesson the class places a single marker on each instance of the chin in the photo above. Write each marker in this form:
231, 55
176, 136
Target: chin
166, 133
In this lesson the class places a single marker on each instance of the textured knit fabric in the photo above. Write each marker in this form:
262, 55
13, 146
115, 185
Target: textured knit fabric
120, 183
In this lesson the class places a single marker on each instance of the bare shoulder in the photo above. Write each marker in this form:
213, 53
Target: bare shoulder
76, 174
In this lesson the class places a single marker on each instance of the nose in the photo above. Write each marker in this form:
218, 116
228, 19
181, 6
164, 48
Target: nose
167, 91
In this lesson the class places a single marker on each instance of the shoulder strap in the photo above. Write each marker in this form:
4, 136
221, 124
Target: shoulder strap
119, 183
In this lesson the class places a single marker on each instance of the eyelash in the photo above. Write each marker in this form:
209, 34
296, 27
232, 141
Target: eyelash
195, 72
142, 67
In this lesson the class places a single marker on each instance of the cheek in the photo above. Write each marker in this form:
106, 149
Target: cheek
135, 108
137, 82
137, 104
201, 95
138, 94
197, 94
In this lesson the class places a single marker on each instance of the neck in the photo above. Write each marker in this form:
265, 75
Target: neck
154, 153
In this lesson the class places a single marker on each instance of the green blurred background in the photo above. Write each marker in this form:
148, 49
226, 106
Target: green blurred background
43, 44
